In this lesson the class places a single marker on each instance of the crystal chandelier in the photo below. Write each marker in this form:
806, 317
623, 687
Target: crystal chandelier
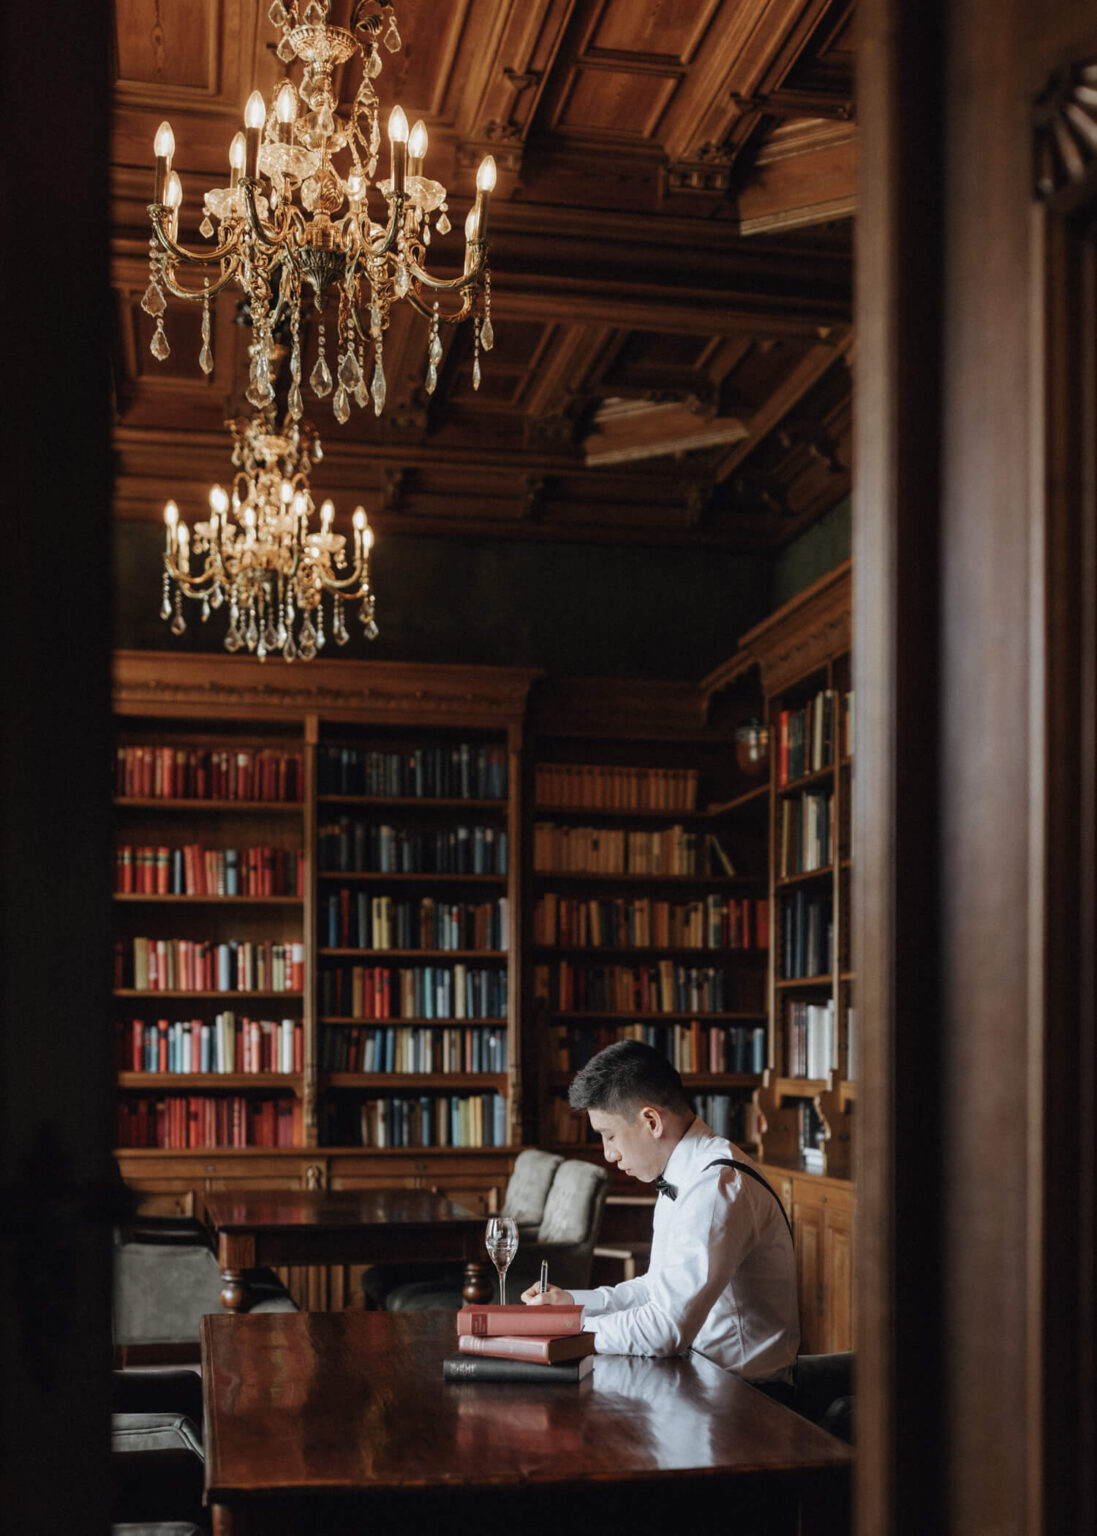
259, 553
298, 213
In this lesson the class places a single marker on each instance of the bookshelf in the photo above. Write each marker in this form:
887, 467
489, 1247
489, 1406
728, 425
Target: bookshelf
363, 927
209, 959
416, 1035
648, 907
807, 1095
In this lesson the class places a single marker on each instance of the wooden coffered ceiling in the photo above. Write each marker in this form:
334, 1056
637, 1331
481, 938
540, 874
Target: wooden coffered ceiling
671, 267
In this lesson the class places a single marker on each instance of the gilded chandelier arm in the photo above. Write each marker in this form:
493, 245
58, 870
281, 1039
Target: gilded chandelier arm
270, 237
223, 281
156, 212
463, 283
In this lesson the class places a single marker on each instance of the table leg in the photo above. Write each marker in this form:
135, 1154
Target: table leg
234, 1289
477, 1288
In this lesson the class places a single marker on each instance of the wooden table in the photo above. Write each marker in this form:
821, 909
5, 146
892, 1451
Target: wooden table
342, 1226
341, 1421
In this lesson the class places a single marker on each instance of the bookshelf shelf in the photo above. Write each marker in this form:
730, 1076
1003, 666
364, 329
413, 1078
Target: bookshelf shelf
656, 1018
421, 1021
153, 992
649, 951
818, 778
715, 882
580, 813
691, 1080
417, 802
211, 807
809, 877
433, 955
141, 898
397, 1082
752, 800
375, 877
800, 1087
209, 1082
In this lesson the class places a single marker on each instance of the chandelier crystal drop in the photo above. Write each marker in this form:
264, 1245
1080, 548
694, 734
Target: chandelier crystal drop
304, 210
260, 554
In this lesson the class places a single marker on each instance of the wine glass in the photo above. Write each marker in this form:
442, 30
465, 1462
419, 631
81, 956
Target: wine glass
501, 1241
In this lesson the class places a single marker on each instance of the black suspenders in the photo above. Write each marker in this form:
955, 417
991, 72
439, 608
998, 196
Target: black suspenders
752, 1173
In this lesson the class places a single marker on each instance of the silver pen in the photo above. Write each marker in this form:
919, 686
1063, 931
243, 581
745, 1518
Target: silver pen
544, 1276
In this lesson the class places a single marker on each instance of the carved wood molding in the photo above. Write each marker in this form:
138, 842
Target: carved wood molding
156, 683
1065, 132
804, 633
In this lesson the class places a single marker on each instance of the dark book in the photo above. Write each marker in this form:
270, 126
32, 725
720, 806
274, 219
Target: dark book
488, 1368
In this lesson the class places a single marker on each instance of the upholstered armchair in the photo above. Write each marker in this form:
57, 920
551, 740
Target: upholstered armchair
166, 1279
558, 1205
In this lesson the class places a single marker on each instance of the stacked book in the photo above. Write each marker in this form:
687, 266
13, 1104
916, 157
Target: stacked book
520, 1343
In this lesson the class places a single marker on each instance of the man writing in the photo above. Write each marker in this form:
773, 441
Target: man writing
722, 1277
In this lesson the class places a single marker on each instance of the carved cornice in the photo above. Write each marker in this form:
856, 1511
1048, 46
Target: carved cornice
802, 635
1065, 131
157, 683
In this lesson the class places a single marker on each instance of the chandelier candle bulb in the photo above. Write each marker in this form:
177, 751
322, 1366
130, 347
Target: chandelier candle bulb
485, 185
417, 148
173, 200
237, 156
255, 115
285, 109
163, 148
171, 517
398, 139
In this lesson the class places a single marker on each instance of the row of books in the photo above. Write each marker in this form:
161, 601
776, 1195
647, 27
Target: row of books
226, 1043
355, 1048
192, 870
589, 785
807, 934
730, 1115
695, 1047
357, 920
806, 836
806, 737
219, 773
350, 845
811, 1135
180, 1121
737, 1118
457, 991
204, 965
661, 988
809, 1039
711, 922
617, 851
425, 1120
465, 771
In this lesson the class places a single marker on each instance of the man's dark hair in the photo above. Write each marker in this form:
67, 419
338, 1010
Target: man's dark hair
626, 1076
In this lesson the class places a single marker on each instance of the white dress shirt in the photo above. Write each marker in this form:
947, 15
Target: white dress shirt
722, 1278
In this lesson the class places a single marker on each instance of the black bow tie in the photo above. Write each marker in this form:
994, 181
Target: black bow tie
670, 1190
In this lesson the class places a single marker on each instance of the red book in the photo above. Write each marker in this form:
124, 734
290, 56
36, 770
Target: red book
499, 1321
537, 1349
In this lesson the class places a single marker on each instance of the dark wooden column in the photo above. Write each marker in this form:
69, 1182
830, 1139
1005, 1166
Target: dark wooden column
975, 594
55, 860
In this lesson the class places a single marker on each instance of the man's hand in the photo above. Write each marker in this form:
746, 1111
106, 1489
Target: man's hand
553, 1297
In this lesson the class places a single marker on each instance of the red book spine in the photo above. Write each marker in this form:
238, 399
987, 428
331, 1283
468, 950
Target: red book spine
511, 1321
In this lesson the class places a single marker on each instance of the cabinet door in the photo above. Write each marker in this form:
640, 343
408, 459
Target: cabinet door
838, 1279
807, 1227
